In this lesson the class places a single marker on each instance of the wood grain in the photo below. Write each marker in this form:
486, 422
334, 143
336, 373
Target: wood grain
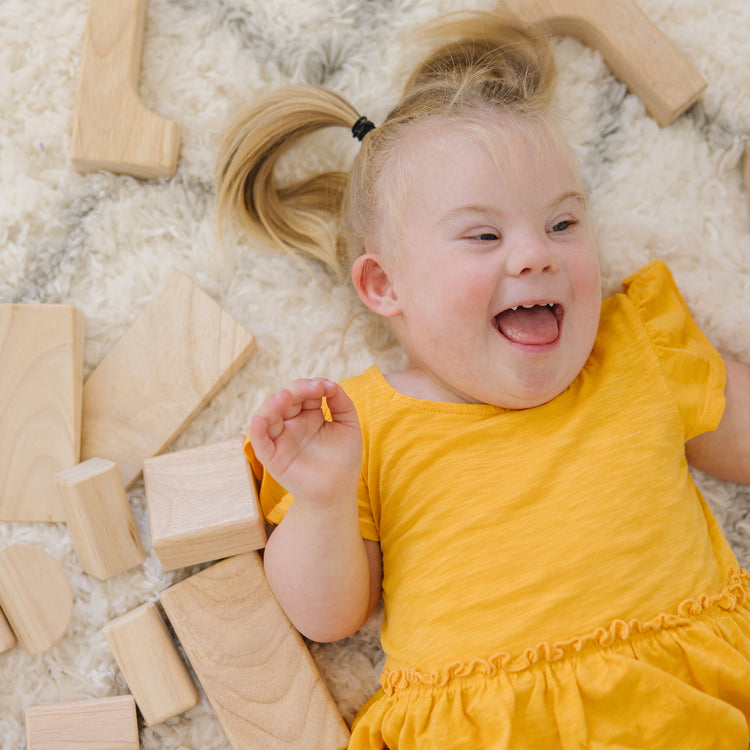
637, 52
170, 363
112, 129
99, 518
202, 504
41, 381
35, 595
94, 724
7, 636
152, 667
253, 665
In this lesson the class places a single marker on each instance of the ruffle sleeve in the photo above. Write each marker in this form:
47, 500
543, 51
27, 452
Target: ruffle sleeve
693, 370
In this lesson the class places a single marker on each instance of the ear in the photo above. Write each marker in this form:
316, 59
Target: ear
374, 286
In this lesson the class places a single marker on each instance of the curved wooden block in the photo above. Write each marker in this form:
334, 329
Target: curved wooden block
112, 129
7, 636
35, 595
637, 52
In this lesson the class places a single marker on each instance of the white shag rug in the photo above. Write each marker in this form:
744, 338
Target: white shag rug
107, 243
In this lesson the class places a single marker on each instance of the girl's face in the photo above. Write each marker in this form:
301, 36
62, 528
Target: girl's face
494, 288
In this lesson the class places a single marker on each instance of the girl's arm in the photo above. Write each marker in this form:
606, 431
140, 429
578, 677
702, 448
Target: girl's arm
725, 452
325, 576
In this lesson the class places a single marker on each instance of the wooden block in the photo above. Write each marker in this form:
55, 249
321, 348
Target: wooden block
99, 518
176, 356
35, 595
152, 667
93, 724
112, 129
41, 381
7, 636
637, 52
202, 504
254, 666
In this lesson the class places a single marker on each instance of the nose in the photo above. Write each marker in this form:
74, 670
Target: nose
530, 254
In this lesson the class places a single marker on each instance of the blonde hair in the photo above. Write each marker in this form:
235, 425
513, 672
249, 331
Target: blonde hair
488, 62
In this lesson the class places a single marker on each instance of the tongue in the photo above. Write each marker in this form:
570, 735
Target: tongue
533, 326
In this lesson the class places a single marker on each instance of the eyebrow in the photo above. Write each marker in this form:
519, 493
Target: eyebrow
479, 208
575, 194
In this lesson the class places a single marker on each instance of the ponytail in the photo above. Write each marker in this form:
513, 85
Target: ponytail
296, 217
485, 64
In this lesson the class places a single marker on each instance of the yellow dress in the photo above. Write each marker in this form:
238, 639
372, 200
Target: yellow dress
552, 576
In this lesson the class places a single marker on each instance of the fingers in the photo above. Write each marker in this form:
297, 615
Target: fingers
299, 396
341, 407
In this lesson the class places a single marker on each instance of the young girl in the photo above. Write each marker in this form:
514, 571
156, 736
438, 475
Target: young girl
519, 494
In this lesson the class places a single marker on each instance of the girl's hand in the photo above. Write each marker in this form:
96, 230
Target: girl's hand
317, 461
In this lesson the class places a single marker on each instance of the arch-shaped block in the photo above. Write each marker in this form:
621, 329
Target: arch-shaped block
112, 129
635, 49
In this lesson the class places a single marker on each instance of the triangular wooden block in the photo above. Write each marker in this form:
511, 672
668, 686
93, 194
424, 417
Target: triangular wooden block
169, 364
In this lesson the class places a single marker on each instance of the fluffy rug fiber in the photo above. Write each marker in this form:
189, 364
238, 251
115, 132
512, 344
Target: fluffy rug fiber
107, 243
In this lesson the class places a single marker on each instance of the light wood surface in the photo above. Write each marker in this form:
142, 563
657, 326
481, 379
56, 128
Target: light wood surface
35, 595
94, 724
202, 504
7, 636
253, 665
152, 667
112, 129
637, 52
41, 380
99, 518
169, 364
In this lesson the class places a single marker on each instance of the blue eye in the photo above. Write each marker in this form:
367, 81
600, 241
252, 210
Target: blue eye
487, 237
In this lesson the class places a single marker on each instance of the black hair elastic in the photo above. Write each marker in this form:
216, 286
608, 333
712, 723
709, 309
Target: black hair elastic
361, 128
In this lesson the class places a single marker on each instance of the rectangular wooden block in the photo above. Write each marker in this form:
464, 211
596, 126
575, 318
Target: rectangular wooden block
169, 364
202, 504
96, 724
254, 666
152, 667
99, 518
41, 380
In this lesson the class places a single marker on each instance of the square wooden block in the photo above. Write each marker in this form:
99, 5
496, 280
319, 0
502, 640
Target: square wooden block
202, 504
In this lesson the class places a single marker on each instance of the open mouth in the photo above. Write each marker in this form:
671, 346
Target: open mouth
531, 325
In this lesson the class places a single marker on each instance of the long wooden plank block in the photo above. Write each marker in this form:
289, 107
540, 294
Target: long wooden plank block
41, 382
253, 665
169, 364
